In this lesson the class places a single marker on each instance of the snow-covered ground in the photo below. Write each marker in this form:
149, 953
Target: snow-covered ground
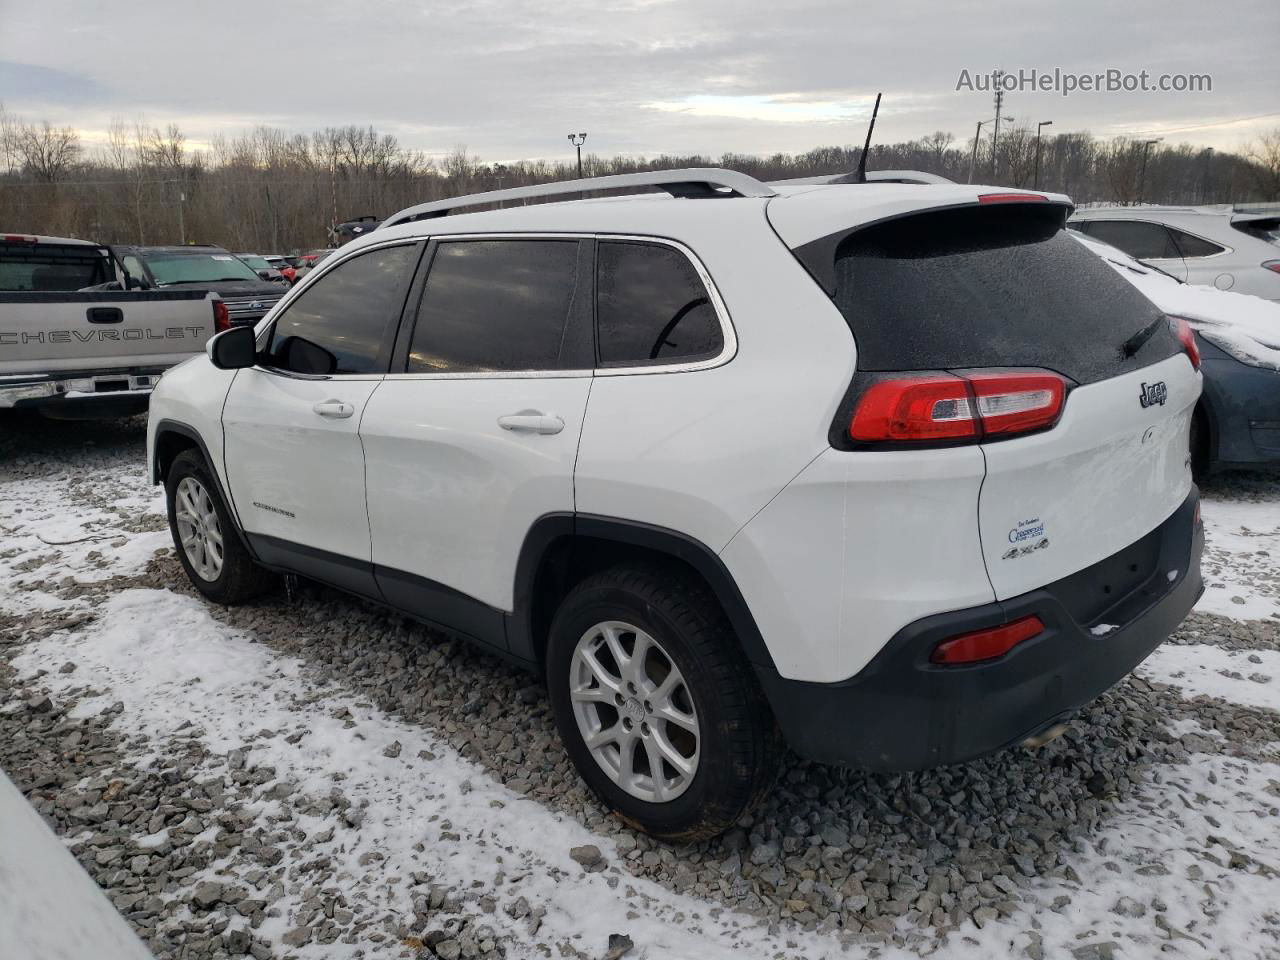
1182, 860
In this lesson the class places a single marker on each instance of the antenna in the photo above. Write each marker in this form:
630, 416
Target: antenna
861, 175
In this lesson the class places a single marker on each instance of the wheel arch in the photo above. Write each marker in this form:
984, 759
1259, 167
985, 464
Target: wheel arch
172, 437
563, 548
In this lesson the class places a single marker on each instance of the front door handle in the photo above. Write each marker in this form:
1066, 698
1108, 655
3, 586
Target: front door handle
531, 421
334, 409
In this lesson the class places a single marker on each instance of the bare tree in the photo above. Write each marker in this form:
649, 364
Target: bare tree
48, 152
1265, 154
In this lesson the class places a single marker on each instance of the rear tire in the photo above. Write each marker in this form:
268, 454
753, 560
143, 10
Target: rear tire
205, 536
694, 699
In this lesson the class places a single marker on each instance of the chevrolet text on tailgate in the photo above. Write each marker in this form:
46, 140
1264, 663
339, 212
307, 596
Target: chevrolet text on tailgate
895, 473
71, 351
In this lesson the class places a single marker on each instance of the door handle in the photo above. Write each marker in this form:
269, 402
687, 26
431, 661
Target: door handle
334, 409
531, 422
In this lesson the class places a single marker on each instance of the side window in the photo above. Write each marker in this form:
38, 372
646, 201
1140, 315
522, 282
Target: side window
1193, 247
135, 268
651, 306
1145, 241
341, 323
494, 305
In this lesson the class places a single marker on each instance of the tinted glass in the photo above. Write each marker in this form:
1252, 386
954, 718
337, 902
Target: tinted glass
340, 323
495, 305
50, 268
1194, 246
651, 306
1146, 241
993, 287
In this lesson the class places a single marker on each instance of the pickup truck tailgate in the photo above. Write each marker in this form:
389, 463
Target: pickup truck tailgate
56, 332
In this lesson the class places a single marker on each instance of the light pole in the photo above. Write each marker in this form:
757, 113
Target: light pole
973, 157
1204, 189
578, 139
1039, 126
1142, 177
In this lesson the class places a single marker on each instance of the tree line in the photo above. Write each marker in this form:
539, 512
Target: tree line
270, 191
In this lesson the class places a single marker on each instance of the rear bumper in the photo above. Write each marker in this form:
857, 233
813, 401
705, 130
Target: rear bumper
1244, 405
903, 713
89, 394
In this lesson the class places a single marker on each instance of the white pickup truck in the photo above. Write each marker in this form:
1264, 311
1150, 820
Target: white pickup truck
72, 352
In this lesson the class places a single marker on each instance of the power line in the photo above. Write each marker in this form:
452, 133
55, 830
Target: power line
1197, 126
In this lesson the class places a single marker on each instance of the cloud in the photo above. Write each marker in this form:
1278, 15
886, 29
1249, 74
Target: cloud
509, 78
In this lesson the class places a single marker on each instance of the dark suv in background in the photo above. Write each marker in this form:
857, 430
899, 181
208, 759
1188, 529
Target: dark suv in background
203, 267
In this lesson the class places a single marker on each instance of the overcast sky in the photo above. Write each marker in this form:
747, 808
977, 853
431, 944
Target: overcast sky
510, 79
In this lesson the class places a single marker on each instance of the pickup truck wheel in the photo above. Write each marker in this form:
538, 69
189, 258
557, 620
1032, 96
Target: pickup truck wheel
205, 537
656, 705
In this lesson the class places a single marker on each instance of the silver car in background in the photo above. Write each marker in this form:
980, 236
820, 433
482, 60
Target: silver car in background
1217, 245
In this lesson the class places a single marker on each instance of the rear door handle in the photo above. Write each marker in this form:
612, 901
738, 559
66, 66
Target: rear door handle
334, 409
531, 422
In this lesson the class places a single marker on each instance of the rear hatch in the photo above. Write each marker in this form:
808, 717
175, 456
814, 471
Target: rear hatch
981, 292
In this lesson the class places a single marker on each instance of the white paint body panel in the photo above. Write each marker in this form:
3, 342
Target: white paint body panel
1110, 472
282, 454
855, 548
702, 452
451, 493
191, 393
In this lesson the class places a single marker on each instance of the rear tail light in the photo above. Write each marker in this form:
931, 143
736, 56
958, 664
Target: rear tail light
986, 644
1187, 337
1012, 198
948, 407
24, 238
1272, 265
221, 317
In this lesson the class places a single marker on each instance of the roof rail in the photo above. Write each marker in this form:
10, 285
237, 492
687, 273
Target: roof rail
873, 176
694, 182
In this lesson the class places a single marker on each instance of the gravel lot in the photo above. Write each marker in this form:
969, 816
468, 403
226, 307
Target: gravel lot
314, 777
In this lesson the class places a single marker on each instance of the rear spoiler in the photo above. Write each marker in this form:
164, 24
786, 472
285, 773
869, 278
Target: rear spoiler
819, 256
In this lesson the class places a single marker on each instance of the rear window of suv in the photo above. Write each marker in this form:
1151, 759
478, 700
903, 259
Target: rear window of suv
990, 287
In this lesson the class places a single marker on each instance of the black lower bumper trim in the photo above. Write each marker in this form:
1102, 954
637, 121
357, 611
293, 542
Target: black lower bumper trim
902, 712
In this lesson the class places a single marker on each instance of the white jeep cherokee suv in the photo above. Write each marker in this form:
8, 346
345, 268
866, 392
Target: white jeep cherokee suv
896, 474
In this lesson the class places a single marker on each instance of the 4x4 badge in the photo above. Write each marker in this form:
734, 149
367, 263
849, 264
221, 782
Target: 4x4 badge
1153, 393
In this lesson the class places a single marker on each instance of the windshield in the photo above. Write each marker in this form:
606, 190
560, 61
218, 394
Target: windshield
197, 268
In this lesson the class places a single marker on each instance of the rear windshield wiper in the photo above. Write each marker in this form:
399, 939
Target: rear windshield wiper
1135, 343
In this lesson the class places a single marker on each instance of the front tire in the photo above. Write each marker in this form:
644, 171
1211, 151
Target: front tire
657, 706
205, 537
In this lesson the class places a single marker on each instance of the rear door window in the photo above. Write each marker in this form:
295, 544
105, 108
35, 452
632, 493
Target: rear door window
503, 305
342, 323
51, 268
652, 307
990, 287
1145, 241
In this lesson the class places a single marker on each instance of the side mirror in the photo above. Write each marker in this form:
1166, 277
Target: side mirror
234, 349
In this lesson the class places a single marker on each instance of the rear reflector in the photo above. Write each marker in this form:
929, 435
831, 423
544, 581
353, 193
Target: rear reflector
221, 317
1012, 198
986, 644
947, 407
1187, 337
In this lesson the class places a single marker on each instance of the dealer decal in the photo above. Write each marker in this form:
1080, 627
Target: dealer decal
1027, 537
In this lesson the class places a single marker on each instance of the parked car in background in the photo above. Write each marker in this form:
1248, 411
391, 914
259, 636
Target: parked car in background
1237, 421
306, 262
75, 343
355, 229
1214, 246
283, 264
731, 469
263, 267
203, 267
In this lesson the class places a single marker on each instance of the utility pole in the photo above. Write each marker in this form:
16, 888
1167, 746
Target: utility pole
578, 139
1039, 126
1204, 188
997, 79
1142, 177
